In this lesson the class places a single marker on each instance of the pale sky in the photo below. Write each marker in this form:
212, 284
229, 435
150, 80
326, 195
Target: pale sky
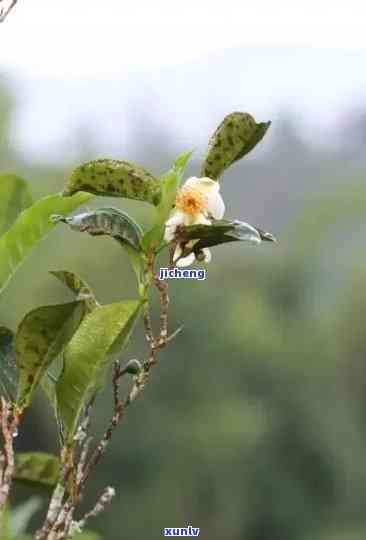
86, 62
89, 37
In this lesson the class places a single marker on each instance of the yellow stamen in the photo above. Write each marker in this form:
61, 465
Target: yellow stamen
191, 201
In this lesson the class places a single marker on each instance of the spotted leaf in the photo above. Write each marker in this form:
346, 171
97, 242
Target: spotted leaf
237, 135
115, 178
41, 336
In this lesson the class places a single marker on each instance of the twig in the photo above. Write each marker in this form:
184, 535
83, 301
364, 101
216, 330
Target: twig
9, 426
102, 502
4, 11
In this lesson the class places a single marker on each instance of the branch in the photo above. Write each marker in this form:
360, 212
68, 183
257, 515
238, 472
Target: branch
9, 427
4, 11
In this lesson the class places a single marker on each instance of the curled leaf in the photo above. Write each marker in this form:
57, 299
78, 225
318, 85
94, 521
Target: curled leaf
115, 178
78, 286
106, 221
237, 135
220, 232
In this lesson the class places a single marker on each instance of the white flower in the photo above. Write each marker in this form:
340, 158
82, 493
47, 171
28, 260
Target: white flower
197, 202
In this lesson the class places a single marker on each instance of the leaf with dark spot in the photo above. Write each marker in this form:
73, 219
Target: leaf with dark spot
237, 135
8, 368
220, 232
115, 178
41, 336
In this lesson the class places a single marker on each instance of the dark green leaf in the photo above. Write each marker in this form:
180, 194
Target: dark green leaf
102, 333
106, 221
8, 369
237, 135
14, 197
29, 228
37, 468
115, 178
41, 336
170, 184
220, 232
78, 286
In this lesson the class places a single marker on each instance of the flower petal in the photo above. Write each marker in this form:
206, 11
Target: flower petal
216, 205
200, 219
176, 218
205, 185
186, 261
207, 255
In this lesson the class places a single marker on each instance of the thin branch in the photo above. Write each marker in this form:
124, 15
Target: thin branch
9, 426
4, 11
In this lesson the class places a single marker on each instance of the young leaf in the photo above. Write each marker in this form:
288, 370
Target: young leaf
40, 338
32, 224
87, 355
14, 197
237, 135
106, 221
78, 286
8, 369
220, 232
169, 186
37, 468
115, 178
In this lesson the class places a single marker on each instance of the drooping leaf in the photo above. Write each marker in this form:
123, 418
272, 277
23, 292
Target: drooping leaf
14, 197
40, 338
169, 185
22, 514
92, 347
106, 221
237, 135
32, 224
115, 178
37, 468
8, 369
220, 232
78, 286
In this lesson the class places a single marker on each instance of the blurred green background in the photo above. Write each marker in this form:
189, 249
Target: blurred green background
253, 425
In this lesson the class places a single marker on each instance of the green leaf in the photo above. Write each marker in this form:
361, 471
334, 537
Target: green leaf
29, 228
14, 197
106, 221
102, 333
78, 286
220, 232
237, 135
87, 535
8, 369
23, 513
115, 178
170, 184
37, 468
5, 529
41, 336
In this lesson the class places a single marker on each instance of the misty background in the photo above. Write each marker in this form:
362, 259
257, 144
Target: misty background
253, 425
